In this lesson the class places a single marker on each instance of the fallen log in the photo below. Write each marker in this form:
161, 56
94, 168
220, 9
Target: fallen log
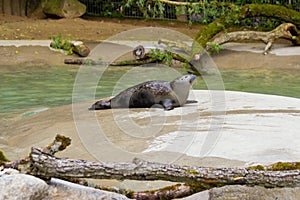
286, 31
47, 166
80, 48
82, 61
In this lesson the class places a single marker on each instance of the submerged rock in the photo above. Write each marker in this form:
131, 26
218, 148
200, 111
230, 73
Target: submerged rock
64, 9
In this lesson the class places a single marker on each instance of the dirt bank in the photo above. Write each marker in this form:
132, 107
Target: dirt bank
95, 30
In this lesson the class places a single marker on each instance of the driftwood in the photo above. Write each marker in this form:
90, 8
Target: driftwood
286, 31
189, 179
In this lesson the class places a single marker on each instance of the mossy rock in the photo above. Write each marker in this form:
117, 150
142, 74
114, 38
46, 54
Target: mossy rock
64, 8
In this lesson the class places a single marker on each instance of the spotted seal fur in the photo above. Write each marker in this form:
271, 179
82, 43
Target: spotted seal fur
150, 93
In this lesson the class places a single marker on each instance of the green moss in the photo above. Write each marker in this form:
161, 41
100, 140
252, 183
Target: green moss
171, 187
129, 194
3, 157
63, 142
192, 171
52, 6
209, 32
199, 187
257, 167
281, 166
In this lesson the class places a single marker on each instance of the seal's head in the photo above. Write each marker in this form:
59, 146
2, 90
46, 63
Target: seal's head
181, 86
183, 81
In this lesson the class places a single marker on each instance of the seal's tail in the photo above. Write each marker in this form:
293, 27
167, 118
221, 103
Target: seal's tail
100, 105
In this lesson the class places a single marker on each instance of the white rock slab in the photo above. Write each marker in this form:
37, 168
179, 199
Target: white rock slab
251, 128
18, 43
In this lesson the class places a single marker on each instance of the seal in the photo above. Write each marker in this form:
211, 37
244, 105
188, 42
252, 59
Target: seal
151, 93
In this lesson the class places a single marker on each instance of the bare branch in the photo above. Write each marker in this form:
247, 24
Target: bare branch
286, 31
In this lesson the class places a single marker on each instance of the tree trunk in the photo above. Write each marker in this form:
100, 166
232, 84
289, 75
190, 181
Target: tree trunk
247, 11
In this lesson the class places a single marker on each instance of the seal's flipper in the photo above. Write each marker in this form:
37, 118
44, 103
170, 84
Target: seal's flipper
191, 101
99, 105
167, 104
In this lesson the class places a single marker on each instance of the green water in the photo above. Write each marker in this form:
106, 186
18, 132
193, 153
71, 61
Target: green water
37, 88
283, 82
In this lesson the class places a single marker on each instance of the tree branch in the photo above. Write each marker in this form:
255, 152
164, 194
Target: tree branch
286, 31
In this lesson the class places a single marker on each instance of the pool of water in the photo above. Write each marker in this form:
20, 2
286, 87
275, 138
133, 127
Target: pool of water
39, 88
28, 89
283, 82
32, 87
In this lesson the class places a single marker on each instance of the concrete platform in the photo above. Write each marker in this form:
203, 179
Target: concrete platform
251, 128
